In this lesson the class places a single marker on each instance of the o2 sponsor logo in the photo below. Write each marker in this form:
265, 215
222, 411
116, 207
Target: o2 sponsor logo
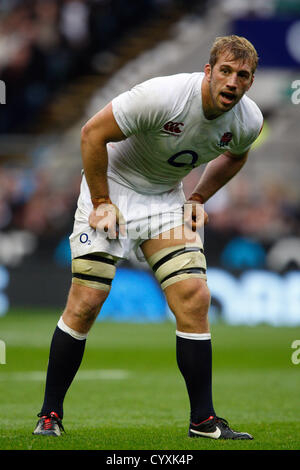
84, 238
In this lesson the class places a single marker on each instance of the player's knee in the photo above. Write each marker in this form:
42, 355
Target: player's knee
190, 300
89, 304
92, 276
84, 305
194, 295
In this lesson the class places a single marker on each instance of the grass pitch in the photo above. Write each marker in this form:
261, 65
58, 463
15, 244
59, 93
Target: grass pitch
129, 394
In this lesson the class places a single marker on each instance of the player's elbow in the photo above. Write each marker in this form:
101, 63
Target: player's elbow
90, 135
85, 132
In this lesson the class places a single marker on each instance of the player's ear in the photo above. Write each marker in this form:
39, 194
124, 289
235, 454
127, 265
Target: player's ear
207, 71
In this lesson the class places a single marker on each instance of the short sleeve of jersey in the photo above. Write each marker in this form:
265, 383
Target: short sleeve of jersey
253, 123
146, 106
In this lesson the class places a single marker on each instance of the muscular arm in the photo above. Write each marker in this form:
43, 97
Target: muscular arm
217, 173
97, 132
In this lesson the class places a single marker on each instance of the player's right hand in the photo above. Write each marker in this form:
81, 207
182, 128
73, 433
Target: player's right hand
194, 215
108, 219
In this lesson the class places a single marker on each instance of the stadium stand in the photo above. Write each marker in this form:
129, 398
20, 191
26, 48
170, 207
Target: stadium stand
40, 171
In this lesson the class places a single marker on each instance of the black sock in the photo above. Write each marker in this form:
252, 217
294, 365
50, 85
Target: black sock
65, 358
194, 359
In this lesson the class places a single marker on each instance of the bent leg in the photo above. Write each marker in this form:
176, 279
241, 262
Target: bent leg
180, 268
84, 302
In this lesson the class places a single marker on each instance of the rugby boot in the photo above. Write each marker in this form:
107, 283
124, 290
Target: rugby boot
216, 428
48, 425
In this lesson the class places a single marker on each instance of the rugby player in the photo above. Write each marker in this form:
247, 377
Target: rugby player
135, 153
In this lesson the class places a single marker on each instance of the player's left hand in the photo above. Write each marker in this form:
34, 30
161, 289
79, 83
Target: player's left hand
194, 214
108, 219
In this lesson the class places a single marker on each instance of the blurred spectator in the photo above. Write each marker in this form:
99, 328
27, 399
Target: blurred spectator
266, 211
33, 201
260, 8
74, 23
46, 43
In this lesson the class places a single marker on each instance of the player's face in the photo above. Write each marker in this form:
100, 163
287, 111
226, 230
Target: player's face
228, 80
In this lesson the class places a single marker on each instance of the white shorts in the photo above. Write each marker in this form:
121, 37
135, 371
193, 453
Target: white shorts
146, 217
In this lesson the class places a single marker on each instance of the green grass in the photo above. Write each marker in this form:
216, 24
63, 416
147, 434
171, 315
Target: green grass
256, 387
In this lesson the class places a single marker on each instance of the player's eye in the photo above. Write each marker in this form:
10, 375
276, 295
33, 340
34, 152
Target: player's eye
243, 75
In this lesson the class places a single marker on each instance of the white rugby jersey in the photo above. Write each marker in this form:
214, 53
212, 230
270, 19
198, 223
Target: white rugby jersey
168, 134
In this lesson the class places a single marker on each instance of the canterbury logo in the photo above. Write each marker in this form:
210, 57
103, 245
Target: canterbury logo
173, 127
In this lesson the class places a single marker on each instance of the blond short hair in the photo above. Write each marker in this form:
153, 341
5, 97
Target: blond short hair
237, 47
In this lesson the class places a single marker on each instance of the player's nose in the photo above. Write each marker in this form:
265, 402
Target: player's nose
232, 81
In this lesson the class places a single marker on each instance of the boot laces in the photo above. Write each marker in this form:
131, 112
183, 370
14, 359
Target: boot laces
222, 421
49, 420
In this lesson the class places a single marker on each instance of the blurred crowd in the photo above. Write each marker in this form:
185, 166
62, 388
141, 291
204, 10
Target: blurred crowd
260, 8
31, 201
264, 210
45, 43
